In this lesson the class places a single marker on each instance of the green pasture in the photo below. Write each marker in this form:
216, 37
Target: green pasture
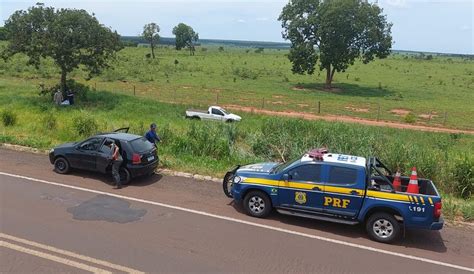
437, 92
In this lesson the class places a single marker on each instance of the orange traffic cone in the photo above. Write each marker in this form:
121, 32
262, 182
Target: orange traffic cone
397, 182
413, 184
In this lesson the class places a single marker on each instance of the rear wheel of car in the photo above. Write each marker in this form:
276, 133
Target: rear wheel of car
257, 204
383, 227
124, 175
61, 165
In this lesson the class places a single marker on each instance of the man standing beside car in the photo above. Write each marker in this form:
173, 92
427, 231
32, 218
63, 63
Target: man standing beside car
151, 135
117, 161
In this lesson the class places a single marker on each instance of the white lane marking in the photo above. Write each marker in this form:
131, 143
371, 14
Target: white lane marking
70, 254
411, 257
53, 258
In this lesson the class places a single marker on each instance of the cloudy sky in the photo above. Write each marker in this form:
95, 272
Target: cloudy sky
420, 25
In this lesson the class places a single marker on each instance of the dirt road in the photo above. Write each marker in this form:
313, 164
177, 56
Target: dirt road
347, 119
78, 223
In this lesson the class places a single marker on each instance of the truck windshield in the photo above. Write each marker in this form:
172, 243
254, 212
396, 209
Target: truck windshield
223, 111
280, 167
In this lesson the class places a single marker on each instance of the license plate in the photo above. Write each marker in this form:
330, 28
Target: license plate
151, 158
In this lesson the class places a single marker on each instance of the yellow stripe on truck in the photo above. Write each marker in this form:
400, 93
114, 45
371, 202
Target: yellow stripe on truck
387, 195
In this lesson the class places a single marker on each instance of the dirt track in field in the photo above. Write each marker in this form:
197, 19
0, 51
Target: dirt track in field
347, 119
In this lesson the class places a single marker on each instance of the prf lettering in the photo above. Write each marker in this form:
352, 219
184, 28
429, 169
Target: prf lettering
336, 202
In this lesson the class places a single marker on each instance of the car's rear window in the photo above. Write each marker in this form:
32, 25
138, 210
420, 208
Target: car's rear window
141, 145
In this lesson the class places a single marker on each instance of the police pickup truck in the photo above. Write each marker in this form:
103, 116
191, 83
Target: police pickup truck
339, 188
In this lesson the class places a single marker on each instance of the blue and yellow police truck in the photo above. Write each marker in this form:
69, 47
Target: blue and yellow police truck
339, 188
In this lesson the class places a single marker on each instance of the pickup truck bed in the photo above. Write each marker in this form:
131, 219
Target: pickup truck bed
198, 110
426, 186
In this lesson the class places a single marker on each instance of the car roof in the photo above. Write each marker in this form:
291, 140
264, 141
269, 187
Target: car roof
120, 136
343, 159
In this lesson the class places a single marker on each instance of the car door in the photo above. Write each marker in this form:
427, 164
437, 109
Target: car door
84, 156
217, 114
104, 157
303, 189
344, 190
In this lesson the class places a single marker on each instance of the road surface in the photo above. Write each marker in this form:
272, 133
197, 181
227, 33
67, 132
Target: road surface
78, 223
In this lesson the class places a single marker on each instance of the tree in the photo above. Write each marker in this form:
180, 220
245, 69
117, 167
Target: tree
185, 37
150, 33
70, 37
3, 34
335, 32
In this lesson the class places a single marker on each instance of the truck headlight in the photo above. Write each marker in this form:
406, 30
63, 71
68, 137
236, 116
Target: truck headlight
237, 179
51, 151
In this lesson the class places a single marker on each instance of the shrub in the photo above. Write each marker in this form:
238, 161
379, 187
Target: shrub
84, 125
8, 118
259, 50
410, 118
49, 121
221, 49
463, 174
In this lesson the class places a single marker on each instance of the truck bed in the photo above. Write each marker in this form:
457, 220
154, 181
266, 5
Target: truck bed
426, 186
197, 110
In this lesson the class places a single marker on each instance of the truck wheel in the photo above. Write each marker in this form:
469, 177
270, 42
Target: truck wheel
227, 184
383, 227
61, 165
257, 204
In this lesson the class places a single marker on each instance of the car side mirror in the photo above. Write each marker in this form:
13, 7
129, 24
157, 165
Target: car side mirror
286, 177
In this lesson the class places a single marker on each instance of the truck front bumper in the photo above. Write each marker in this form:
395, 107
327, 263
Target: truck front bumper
437, 225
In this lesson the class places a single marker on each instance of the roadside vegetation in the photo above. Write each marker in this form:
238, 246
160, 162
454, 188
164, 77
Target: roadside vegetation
213, 148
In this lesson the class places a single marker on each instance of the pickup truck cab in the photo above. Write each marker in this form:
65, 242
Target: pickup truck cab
339, 188
213, 113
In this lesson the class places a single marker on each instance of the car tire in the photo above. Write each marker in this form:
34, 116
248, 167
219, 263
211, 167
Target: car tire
257, 204
125, 175
383, 227
61, 165
227, 184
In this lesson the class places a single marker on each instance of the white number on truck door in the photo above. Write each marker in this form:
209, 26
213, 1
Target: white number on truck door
416, 208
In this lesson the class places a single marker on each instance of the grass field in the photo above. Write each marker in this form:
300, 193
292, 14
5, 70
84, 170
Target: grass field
212, 148
436, 92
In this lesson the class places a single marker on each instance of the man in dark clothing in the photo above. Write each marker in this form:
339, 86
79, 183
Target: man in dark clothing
117, 161
151, 135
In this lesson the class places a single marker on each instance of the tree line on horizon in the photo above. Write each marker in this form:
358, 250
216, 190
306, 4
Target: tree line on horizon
328, 34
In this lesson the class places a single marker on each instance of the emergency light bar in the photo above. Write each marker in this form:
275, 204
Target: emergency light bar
317, 154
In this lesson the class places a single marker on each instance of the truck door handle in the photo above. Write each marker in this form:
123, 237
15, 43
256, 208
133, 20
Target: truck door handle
354, 192
317, 188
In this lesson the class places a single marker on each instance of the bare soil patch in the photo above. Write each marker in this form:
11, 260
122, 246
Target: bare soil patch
354, 109
400, 111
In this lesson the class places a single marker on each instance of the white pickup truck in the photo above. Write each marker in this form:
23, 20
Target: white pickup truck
213, 113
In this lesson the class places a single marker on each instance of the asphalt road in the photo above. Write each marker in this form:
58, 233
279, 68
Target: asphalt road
78, 223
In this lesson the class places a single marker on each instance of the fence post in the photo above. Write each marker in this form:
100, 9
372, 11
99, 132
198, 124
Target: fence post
217, 98
319, 107
263, 102
133, 90
95, 86
445, 117
378, 113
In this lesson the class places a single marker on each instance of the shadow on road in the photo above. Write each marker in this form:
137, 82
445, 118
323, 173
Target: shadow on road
418, 239
107, 178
